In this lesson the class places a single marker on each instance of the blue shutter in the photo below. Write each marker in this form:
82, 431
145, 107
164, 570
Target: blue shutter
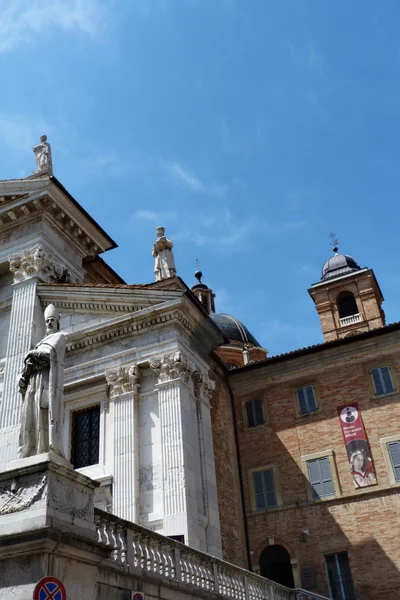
394, 451
312, 404
258, 412
378, 384
387, 380
269, 488
327, 481
249, 414
314, 473
259, 490
302, 401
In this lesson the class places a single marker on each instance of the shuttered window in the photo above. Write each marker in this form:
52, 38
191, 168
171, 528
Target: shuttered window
394, 453
264, 489
382, 380
340, 578
306, 400
320, 477
254, 413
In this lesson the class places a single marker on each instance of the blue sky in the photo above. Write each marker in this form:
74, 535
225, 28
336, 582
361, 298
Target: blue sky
250, 129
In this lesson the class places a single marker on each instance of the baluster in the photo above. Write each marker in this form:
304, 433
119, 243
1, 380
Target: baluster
123, 543
114, 542
137, 551
166, 560
177, 567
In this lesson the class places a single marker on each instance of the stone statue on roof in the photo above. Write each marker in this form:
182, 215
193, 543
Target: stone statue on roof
41, 385
164, 265
43, 156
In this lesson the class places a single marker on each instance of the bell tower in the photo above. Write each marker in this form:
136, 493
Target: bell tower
347, 298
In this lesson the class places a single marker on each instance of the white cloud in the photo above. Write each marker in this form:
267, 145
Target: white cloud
18, 134
154, 216
189, 180
23, 23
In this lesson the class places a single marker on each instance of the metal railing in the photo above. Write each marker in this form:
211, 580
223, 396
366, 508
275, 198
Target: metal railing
138, 550
350, 320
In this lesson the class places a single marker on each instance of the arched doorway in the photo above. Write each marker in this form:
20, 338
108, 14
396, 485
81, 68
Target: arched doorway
275, 565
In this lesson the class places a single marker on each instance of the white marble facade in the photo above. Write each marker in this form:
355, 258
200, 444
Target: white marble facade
129, 350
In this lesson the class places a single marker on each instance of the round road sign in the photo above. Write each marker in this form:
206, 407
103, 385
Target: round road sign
138, 596
49, 588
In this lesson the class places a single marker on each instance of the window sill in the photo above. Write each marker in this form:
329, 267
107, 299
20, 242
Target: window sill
310, 414
372, 397
256, 428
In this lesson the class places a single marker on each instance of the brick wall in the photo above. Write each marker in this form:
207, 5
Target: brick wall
365, 521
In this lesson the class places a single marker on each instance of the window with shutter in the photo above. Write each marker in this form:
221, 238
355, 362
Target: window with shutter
254, 413
340, 577
264, 489
306, 400
382, 380
320, 476
394, 453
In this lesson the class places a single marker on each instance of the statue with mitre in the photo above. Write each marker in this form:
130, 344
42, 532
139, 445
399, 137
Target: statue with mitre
41, 386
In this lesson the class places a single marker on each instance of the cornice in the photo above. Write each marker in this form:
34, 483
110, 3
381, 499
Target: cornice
125, 325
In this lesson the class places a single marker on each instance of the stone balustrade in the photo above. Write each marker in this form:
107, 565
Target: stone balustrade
350, 320
140, 551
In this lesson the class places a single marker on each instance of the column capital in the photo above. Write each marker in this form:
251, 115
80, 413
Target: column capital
172, 366
40, 263
123, 379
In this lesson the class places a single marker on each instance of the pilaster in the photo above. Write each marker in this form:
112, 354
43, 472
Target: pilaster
26, 329
124, 394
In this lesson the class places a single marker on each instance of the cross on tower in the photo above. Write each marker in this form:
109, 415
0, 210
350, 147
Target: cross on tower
334, 241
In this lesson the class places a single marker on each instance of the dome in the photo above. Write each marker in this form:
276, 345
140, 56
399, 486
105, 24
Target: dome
233, 329
338, 265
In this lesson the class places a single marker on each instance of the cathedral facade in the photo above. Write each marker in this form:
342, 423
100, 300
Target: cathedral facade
286, 465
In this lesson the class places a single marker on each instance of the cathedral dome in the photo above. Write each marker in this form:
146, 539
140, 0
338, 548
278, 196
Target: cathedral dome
233, 329
338, 265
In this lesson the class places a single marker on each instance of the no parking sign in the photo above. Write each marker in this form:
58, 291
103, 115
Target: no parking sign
137, 596
49, 588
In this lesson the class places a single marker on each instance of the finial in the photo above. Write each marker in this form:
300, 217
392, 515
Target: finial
334, 242
198, 274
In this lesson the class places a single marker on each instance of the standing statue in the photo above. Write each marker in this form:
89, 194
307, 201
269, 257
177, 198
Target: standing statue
41, 385
43, 156
164, 266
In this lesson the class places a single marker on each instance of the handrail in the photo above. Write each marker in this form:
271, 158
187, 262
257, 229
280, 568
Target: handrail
137, 550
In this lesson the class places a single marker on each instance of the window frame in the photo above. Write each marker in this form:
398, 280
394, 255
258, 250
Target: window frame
80, 400
330, 454
75, 412
388, 461
275, 473
260, 397
297, 403
336, 555
371, 383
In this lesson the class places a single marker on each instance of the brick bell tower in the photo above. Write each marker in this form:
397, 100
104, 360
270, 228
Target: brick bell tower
347, 298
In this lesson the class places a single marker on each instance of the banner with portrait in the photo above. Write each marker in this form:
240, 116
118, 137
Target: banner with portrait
355, 439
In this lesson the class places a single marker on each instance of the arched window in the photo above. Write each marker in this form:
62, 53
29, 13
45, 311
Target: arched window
275, 565
346, 304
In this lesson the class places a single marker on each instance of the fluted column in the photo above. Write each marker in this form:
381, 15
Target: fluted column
26, 329
188, 490
124, 394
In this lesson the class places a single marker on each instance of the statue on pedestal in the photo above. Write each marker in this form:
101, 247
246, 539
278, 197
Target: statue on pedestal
43, 156
41, 386
164, 266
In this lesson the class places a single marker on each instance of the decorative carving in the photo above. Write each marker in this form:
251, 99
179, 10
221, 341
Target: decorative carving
73, 501
13, 499
123, 380
36, 262
175, 366
164, 264
43, 156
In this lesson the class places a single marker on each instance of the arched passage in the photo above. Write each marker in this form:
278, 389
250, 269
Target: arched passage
275, 565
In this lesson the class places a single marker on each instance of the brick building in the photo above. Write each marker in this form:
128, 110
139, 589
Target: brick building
321, 514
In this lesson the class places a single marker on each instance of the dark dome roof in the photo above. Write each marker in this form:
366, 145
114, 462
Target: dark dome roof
233, 329
338, 265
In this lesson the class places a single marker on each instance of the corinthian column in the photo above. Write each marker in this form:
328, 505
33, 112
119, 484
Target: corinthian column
124, 395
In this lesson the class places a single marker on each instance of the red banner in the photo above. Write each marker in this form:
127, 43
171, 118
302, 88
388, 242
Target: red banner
357, 448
